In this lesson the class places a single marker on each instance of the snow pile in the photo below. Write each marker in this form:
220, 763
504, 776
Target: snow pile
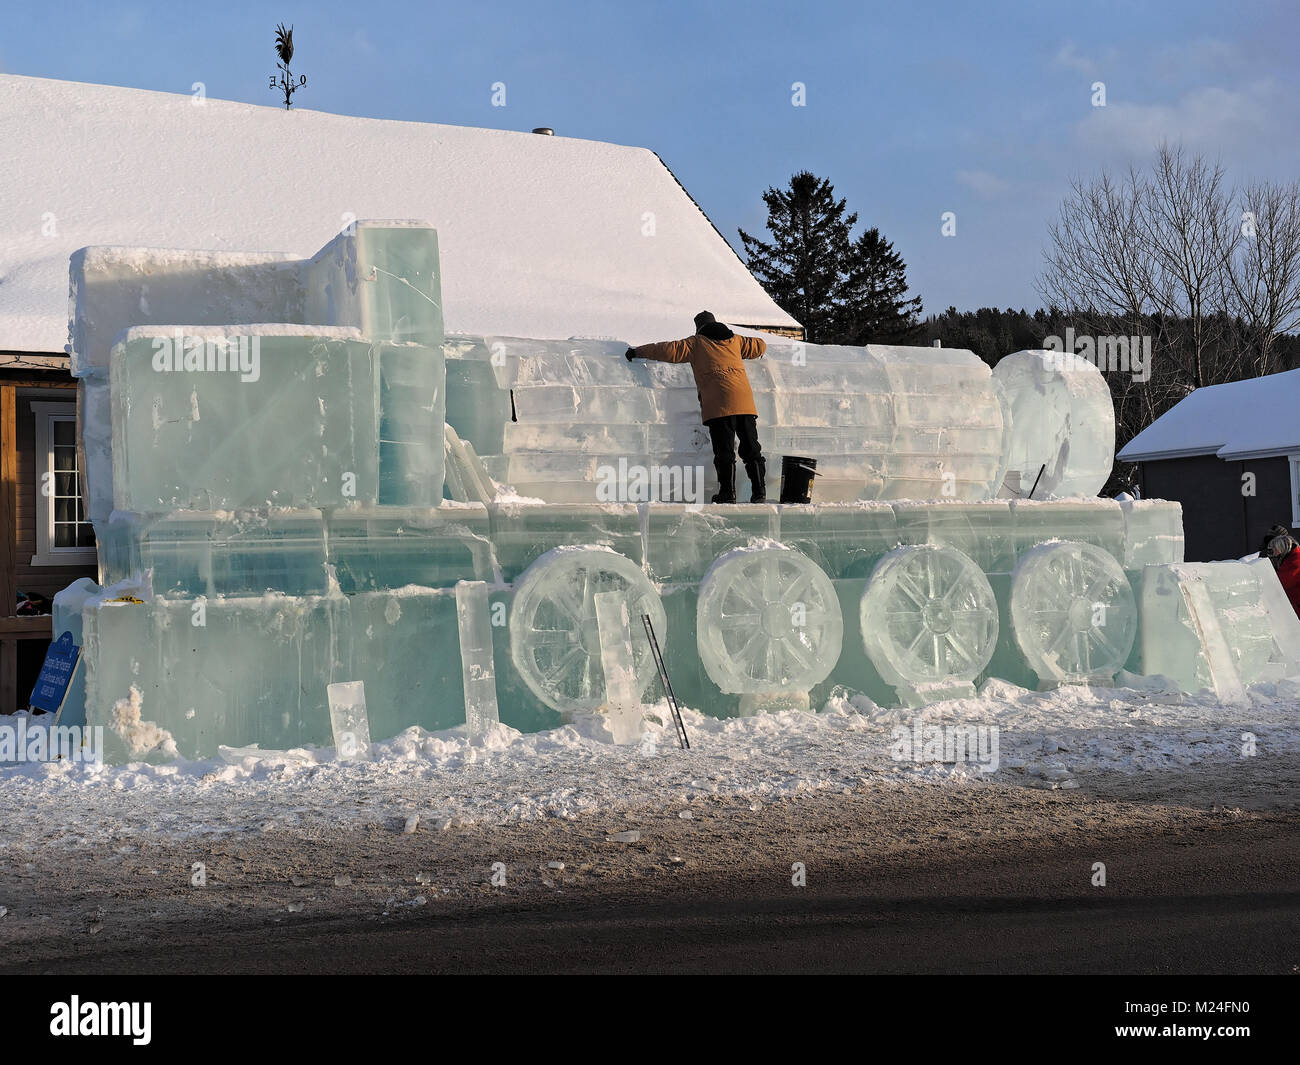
436, 781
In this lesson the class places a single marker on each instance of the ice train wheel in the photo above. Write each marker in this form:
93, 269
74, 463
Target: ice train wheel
554, 637
1072, 612
768, 620
928, 615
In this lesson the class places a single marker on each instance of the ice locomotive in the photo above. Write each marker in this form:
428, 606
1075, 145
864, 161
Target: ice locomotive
297, 480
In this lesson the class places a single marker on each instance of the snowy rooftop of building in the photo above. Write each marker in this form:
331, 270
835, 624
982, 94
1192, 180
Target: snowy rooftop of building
1240, 420
539, 236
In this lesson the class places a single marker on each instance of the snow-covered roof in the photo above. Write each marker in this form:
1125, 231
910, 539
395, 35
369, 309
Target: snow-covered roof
540, 236
1244, 419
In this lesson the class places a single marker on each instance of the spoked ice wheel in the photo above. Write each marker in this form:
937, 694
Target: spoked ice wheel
554, 637
928, 616
768, 620
1072, 612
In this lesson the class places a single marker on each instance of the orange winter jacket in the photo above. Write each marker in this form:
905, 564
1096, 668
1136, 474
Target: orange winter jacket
719, 371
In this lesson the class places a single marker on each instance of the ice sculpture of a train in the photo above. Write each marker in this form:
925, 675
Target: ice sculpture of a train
297, 479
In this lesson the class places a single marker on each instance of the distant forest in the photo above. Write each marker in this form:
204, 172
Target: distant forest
991, 333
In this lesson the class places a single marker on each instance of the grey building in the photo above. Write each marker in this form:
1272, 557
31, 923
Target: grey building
1230, 454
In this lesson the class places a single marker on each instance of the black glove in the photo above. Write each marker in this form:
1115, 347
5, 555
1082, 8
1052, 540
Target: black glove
630, 354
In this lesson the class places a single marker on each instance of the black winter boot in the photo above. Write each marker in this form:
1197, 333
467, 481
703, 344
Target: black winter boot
757, 471
726, 482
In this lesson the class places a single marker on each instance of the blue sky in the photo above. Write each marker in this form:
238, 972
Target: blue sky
912, 109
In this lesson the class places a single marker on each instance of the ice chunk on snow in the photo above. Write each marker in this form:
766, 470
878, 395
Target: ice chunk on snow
473, 618
348, 719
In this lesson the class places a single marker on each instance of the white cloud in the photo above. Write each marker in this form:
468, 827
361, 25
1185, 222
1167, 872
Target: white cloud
983, 183
1213, 120
1070, 59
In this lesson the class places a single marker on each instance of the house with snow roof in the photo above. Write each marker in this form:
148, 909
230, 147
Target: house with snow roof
1230, 454
540, 236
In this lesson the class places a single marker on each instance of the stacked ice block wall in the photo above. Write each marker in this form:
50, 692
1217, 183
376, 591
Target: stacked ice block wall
236, 411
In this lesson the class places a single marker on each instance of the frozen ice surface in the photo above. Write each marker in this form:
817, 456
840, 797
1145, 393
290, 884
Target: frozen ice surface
478, 670
929, 621
302, 433
615, 633
883, 422
240, 671
521, 532
1218, 625
554, 630
467, 479
1099, 522
378, 548
1073, 613
403, 645
411, 418
683, 541
767, 620
982, 531
844, 539
348, 719
227, 553
1062, 418
1153, 532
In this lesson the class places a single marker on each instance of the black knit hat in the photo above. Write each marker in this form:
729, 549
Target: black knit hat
702, 319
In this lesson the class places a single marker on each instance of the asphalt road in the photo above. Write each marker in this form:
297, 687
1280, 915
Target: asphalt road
1223, 902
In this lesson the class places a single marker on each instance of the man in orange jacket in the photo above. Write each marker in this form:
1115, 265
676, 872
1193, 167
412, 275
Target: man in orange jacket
717, 357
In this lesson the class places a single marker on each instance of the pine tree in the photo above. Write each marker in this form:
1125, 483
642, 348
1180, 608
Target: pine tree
804, 266
873, 297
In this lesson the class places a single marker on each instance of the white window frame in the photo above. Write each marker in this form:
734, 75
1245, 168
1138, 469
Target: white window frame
46, 414
1294, 462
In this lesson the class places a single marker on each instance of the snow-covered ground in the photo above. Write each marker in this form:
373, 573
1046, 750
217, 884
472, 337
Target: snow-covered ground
1047, 739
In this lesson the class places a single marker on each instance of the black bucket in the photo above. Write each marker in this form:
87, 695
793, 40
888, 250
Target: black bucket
797, 476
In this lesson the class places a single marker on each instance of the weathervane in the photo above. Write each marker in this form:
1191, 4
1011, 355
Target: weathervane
284, 49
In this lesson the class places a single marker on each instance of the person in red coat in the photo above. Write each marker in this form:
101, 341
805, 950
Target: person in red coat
1280, 548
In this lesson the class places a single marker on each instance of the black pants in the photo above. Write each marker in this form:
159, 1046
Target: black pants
724, 432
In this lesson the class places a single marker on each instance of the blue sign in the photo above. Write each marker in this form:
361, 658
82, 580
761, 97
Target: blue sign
56, 674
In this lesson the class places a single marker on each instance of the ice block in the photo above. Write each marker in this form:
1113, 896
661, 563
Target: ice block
378, 548
298, 428
226, 553
348, 719
234, 671
1062, 424
682, 541
478, 671
1218, 625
